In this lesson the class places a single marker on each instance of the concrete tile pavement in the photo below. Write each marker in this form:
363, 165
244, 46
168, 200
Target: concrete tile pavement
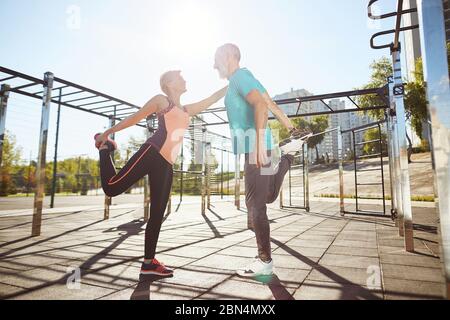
318, 255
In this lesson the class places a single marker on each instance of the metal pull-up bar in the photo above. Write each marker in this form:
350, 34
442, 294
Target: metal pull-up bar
398, 29
398, 145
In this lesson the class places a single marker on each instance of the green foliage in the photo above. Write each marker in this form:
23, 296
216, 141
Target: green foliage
415, 92
448, 56
381, 70
374, 147
318, 124
75, 175
10, 164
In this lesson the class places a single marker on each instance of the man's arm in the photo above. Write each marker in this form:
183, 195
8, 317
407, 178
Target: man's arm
278, 112
282, 117
257, 101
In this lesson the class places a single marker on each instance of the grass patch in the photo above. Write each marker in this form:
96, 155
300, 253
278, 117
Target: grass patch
31, 195
372, 197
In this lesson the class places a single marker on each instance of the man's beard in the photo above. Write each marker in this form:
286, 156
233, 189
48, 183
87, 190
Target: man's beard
223, 73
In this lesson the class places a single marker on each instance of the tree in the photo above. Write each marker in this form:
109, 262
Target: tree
415, 101
416, 104
316, 125
10, 162
381, 70
374, 147
415, 95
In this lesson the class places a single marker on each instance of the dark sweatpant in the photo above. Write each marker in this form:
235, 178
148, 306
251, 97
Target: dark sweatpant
146, 161
262, 186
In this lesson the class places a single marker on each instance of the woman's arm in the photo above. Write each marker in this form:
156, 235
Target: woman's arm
149, 108
196, 108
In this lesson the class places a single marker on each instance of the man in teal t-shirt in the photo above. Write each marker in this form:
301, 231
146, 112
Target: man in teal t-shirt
241, 115
247, 104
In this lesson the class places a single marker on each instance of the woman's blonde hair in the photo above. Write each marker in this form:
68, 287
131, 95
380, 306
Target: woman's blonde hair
166, 78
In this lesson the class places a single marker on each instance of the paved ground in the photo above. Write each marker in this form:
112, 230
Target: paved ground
318, 255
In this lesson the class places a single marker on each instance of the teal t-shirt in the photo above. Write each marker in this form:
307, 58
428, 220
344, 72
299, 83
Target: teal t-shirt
241, 114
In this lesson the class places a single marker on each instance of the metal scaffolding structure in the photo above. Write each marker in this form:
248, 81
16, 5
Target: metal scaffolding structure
63, 93
436, 74
436, 70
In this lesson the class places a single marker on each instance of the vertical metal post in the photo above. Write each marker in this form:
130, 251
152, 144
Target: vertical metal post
169, 203
204, 176
147, 190
382, 169
181, 173
108, 200
4, 96
434, 52
406, 211
228, 174
146, 198
40, 170
396, 161
237, 186
221, 177
281, 199
355, 159
306, 175
390, 147
208, 175
290, 187
341, 171
55, 158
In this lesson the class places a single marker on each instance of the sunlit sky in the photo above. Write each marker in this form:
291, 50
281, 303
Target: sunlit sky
122, 47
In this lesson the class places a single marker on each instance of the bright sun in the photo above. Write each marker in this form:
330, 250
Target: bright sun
191, 29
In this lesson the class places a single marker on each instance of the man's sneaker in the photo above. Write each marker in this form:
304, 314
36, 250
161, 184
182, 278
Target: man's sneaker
302, 134
156, 268
112, 145
295, 143
257, 268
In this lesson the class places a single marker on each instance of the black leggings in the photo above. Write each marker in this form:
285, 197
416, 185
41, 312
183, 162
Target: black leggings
146, 161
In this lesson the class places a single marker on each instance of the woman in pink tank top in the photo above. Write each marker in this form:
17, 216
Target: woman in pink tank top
155, 158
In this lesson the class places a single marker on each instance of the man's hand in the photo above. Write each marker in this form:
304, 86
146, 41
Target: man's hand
261, 154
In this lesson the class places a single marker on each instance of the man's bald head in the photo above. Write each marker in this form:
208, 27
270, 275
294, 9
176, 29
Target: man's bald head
227, 59
229, 50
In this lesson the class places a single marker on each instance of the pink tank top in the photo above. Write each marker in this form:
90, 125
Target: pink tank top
168, 138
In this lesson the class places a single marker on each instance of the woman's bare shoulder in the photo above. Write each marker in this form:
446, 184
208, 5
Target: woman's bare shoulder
161, 101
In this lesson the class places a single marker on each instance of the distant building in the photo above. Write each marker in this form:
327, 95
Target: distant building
347, 120
447, 18
411, 47
306, 107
